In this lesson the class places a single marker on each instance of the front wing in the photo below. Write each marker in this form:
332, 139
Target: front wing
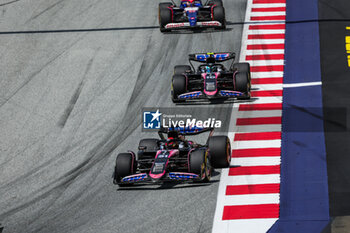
186, 25
171, 176
222, 94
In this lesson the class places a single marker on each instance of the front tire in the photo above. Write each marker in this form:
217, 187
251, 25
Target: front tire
164, 16
178, 87
199, 164
125, 165
242, 84
220, 151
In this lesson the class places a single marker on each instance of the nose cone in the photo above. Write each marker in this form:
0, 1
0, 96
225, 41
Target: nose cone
192, 18
193, 22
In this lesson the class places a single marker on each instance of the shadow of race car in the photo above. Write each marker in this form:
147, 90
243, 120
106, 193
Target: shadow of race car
173, 158
211, 80
191, 14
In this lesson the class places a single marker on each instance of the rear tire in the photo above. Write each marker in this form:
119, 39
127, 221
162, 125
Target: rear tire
164, 16
178, 87
219, 15
125, 165
182, 69
242, 82
243, 67
199, 164
220, 151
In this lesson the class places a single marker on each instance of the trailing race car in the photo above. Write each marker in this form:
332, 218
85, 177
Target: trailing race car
211, 80
191, 14
173, 158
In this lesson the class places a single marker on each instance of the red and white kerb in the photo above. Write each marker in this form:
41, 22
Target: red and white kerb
249, 191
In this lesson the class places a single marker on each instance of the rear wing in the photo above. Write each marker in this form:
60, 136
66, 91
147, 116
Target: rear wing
206, 3
204, 57
211, 57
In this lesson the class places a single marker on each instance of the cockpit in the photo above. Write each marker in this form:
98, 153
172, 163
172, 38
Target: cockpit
175, 140
211, 68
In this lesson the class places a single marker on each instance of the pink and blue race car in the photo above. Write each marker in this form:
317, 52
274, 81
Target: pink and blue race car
211, 80
173, 158
191, 14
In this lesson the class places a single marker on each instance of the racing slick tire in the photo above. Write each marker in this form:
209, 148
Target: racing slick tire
219, 15
220, 151
178, 87
242, 84
182, 69
125, 165
164, 15
216, 2
199, 164
242, 67
151, 145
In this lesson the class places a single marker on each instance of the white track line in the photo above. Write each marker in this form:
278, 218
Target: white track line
306, 84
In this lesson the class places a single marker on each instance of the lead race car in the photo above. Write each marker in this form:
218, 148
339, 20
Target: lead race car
211, 80
191, 14
173, 158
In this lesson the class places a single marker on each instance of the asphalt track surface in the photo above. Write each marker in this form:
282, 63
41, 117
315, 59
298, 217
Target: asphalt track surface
74, 77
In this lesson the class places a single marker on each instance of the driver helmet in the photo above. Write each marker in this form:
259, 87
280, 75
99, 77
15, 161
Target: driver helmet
173, 134
187, 3
208, 69
162, 145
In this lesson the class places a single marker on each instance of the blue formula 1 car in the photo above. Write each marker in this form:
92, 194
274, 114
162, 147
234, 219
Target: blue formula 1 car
211, 80
191, 14
173, 158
